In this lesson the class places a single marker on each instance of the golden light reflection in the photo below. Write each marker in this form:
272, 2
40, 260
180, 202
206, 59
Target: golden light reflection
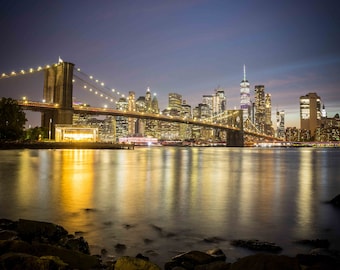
304, 195
76, 179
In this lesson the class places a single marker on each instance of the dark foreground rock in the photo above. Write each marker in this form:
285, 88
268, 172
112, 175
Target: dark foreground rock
335, 201
257, 245
27, 244
214, 259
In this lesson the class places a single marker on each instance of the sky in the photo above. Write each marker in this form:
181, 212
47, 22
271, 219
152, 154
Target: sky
190, 47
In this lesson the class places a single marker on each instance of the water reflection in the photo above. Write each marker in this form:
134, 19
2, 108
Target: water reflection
268, 194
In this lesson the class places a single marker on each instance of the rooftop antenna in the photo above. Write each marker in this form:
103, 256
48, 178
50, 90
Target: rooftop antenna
244, 72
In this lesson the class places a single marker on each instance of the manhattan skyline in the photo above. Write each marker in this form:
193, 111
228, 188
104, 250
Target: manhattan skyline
186, 47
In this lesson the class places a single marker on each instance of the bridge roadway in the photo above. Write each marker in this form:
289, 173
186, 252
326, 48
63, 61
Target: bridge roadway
43, 106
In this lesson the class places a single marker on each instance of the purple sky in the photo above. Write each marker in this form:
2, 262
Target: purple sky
183, 46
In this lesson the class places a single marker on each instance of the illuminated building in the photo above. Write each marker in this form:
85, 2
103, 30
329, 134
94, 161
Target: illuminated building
292, 134
280, 124
148, 100
186, 110
132, 108
186, 129
260, 109
268, 129
175, 102
151, 126
154, 104
122, 122
310, 112
70, 133
219, 101
140, 123
245, 96
207, 100
329, 130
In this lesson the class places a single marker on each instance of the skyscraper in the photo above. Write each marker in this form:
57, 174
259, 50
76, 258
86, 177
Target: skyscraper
219, 101
132, 108
310, 112
268, 114
148, 100
260, 108
245, 96
280, 124
175, 102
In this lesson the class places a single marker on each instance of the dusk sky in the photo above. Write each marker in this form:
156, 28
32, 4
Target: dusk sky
188, 47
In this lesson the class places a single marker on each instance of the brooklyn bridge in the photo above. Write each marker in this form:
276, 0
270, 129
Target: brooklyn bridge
58, 108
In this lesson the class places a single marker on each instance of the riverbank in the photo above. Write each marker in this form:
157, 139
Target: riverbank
63, 145
29, 244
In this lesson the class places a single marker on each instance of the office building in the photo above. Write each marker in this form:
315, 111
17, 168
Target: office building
310, 112
245, 96
280, 124
260, 108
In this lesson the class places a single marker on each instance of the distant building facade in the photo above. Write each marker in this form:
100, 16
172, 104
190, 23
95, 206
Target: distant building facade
245, 96
280, 124
310, 112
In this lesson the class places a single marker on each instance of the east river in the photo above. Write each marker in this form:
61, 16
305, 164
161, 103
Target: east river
159, 201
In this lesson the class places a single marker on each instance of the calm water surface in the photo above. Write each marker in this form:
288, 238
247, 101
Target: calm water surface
176, 197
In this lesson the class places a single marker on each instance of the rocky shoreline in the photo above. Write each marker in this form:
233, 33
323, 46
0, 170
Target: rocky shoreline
29, 244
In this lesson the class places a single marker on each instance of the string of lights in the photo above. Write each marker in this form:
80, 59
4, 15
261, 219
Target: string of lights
97, 87
89, 82
23, 71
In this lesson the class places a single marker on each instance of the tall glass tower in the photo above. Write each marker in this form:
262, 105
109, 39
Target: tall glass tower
245, 96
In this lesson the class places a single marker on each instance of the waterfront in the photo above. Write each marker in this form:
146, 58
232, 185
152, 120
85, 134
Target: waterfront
163, 200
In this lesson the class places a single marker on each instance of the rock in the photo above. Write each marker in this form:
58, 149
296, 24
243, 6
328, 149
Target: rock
218, 265
266, 262
78, 244
31, 230
217, 253
317, 243
6, 224
190, 260
131, 263
317, 261
214, 239
120, 247
74, 259
147, 241
25, 261
8, 235
141, 256
17, 246
335, 201
257, 245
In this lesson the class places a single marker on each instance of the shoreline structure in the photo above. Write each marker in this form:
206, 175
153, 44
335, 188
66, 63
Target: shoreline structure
64, 145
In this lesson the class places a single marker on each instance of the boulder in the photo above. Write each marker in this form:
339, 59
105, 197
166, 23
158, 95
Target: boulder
74, 259
8, 235
317, 243
7, 224
78, 244
192, 259
37, 230
335, 201
266, 262
218, 265
26, 261
317, 261
131, 263
257, 245
217, 253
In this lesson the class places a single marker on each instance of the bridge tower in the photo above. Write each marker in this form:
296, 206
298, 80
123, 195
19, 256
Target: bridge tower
58, 89
236, 137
